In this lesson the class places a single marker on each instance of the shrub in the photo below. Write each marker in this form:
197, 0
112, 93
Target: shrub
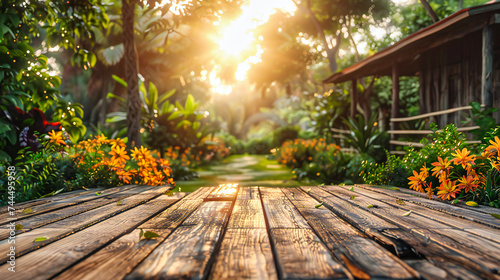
284, 133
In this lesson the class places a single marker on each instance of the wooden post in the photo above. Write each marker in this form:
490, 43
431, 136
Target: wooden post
487, 69
354, 94
395, 100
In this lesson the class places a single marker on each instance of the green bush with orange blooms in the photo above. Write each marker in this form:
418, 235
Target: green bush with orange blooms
463, 176
315, 159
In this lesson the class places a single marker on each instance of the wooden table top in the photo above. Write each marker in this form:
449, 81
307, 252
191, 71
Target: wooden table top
231, 232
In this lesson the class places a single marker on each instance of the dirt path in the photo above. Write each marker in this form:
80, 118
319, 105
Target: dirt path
245, 170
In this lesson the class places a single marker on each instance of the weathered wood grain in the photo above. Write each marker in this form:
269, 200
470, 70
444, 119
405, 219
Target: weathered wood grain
280, 211
187, 252
247, 213
416, 224
363, 257
225, 192
52, 259
214, 211
454, 221
54, 216
244, 254
117, 259
248, 193
200, 193
301, 255
446, 208
54, 205
25, 244
34, 202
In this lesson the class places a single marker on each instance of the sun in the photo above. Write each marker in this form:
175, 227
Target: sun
237, 36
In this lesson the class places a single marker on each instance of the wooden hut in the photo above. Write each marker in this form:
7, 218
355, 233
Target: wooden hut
456, 59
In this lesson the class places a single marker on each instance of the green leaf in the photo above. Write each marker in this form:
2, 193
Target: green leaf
141, 233
370, 206
38, 239
495, 215
98, 193
18, 227
169, 193
400, 201
166, 95
395, 189
91, 59
472, 203
319, 205
150, 235
112, 55
27, 211
175, 115
119, 202
351, 189
308, 190
407, 213
455, 201
183, 123
196, 125
352, 197
119, 80
111, 95
153, 95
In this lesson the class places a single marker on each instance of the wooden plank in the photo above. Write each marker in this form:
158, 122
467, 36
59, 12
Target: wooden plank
248, 193
245, 253
453, 221
214, 211
300, 254
247, 214
54, 216
280, 212
24, 243
200, 193
43, 208
443, 207
187, 252
462, 129
363, 257
438, 113
225, 192
120, 257
52, 259
117, 259
467, 253
39, 201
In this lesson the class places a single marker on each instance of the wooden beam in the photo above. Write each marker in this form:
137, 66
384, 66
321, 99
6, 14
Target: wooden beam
487, 67
354, 93
395, 98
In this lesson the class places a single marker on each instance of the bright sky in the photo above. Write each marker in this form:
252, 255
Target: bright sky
238, 37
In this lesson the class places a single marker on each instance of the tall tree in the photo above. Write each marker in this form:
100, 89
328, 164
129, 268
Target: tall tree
133, 99
328, 18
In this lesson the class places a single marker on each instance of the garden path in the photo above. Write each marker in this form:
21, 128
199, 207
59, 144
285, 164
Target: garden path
234, 232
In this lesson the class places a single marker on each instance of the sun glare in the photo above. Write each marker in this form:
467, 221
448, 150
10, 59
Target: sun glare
238, 36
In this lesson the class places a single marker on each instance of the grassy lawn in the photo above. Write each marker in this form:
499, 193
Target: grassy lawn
246, 170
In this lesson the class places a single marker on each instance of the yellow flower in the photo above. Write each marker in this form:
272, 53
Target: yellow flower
463, 158
494, 147
468, 183
447, 190
57, 138
119, 154
441, 168
417, 181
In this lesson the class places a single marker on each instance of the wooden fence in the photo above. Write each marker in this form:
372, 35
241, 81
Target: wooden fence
339, 133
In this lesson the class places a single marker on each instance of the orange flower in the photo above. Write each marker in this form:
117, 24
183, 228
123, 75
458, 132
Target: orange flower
447, 190
494, 147
441, 168
57, 138
429, 191
463, 158
101, 139
417, 181
119, 155
468, 183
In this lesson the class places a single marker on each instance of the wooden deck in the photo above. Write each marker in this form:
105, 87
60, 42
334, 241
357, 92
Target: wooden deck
231, 232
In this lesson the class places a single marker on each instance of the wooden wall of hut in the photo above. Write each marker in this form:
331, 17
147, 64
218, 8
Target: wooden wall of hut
450, 77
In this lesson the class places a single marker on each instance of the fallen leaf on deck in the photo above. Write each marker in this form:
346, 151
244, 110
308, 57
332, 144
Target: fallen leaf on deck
27, 211
472, 203
407, 213
18, 227
319, 205
38, 239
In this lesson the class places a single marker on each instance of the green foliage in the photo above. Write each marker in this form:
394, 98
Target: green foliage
284, 133
484, 119
363, 135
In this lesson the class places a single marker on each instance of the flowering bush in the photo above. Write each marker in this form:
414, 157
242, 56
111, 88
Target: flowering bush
314, 159
464, 175
105, 162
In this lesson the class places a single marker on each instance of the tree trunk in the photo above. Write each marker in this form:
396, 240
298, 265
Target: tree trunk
429, 10
131, 71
